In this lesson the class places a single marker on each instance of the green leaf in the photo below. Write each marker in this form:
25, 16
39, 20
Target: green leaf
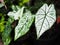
2, 21
15, 8
45, 18
6, 34
25, 1
22, 2
23, 25
7, 31
16, 14
7, 41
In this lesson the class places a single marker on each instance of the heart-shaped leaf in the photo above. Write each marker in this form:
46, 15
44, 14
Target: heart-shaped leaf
23, 25
16, 14
45, 18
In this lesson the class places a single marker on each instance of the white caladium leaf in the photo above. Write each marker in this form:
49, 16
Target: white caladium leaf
23, 25
16, 14
44, 19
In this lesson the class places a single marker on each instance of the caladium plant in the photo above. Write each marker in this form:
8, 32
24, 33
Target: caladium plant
16, 14
24, 23
44, 19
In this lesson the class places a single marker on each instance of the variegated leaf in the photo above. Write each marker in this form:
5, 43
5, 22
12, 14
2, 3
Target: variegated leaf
23, 25
16, 14
45, 18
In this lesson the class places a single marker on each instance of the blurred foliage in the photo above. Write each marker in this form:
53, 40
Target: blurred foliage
33, 5
22, 2
2, 26
1, 5
6, 37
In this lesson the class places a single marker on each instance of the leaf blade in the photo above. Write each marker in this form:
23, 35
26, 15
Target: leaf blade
16, 14
24, 24
45, 20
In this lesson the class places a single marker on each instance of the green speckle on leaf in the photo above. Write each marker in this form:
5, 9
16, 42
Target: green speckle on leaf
24, 25
44, 19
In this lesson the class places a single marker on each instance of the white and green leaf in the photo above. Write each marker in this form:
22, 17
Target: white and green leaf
16, 14
23, 25
44, 19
